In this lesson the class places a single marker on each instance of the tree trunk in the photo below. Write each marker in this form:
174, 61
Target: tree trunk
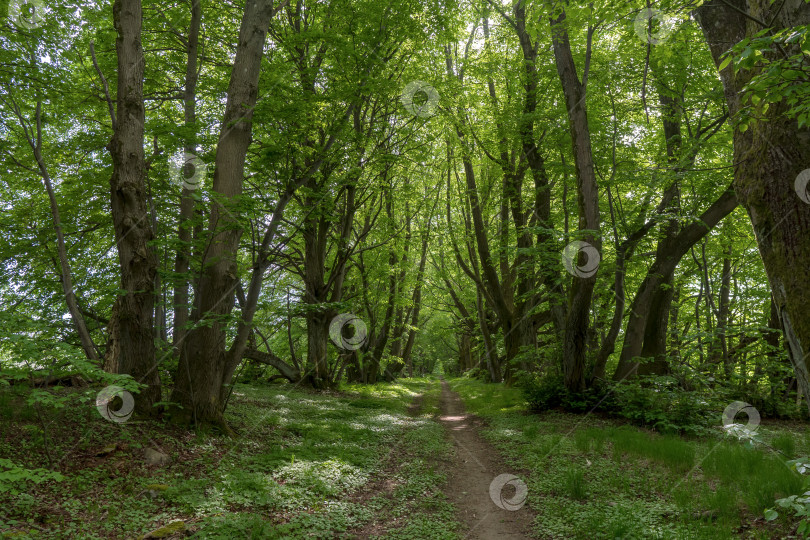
578, 321
318, 349
655, 330
624, 251
315, 231
491, 355
202, 367
287, 371
771, 338
417, 304
768, 157
723, 311
184, 220
66, 273
464, 351
666, 261
372, 367
400, 317
133, 233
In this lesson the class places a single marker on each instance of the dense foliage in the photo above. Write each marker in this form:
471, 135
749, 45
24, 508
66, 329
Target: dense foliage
604, 204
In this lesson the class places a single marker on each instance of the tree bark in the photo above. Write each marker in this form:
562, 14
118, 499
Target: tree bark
184, 221
133, 233
416, 301
577, 321
723, 312
203, 362
648, 334
314, 231
287, 371
768, 157
663, 267
378, 348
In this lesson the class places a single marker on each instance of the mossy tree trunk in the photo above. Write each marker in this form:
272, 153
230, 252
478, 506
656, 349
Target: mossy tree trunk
768, 156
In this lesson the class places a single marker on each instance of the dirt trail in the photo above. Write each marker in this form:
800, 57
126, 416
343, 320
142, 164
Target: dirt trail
476, 466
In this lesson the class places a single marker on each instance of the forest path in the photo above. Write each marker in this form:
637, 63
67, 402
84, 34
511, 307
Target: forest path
476, 465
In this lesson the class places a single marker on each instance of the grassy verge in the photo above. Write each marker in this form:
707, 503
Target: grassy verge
595, 478
304, 465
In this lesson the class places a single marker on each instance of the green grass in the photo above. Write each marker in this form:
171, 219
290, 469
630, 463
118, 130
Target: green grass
574, 482
303, 465
594, 478
785, 443
668, 450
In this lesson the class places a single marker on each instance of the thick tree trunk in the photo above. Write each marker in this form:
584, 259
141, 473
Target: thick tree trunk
133, 233
655, 330
646, 334
320, 289
578, 317
318, 349
768, 157
314, 232
541, 215
203, 362
490, 354
624, 251
656, 323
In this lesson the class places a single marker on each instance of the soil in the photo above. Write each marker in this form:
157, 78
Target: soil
475, 466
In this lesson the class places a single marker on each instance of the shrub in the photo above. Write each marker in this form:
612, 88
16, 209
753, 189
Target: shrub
655, 402
549, 392
544, 393
660, 403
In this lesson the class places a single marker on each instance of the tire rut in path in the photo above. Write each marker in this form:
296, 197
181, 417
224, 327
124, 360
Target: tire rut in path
476, 464
383, 485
